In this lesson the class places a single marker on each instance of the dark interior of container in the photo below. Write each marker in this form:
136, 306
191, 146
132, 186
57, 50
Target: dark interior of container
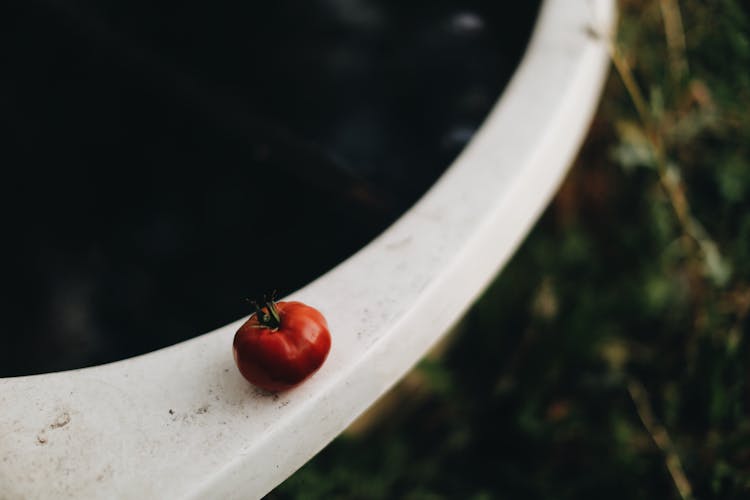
164, 162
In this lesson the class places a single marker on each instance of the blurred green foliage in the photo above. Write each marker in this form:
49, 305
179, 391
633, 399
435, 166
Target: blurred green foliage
610, 357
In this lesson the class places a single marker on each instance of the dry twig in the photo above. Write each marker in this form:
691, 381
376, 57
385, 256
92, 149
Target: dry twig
660, 436
675, 33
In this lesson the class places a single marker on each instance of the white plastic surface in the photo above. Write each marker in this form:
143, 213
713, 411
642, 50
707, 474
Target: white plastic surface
182, 423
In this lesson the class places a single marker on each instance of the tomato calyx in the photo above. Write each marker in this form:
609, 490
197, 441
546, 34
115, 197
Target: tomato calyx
268, 315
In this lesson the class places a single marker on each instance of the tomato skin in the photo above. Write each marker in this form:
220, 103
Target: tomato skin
277, 359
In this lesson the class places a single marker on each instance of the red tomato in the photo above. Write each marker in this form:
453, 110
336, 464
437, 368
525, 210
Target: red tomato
281, 345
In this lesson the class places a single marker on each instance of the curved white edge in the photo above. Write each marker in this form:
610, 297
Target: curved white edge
182, 423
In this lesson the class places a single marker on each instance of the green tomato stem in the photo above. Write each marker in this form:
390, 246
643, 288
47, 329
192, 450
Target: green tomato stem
269, 318
274, 311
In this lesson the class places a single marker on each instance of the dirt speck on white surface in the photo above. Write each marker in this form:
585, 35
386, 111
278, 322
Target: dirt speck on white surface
62, 420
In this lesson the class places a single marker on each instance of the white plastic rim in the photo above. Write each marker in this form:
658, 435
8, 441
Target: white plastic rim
181, 422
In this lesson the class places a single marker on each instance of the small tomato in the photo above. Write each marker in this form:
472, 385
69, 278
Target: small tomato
281, 345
